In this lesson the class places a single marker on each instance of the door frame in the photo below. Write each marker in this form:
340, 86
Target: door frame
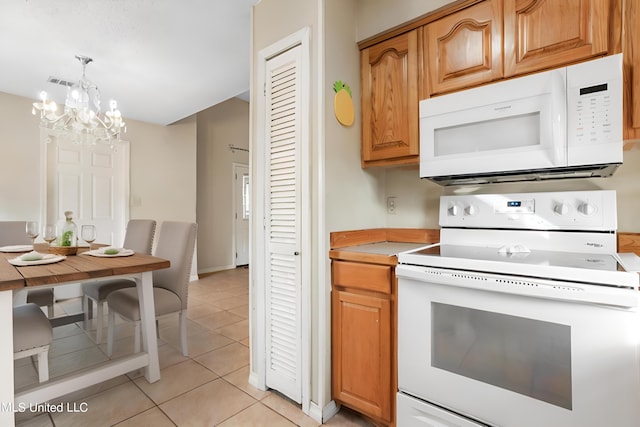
258, 238
234, 201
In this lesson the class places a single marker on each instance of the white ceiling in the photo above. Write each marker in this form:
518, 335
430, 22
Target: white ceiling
162, 60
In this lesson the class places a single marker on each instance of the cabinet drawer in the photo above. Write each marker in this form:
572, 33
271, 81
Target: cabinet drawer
356, 275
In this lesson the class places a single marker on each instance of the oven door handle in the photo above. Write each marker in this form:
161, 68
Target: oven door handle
579, 293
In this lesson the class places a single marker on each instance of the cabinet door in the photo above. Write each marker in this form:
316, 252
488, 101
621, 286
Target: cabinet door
465, 48
631, 60
361, 352
541, 34
390, 101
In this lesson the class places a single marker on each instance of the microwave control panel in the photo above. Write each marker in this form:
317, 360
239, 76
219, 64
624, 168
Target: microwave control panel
594, 110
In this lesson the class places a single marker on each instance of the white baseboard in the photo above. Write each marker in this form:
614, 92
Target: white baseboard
328, 411
215, 269
255, 381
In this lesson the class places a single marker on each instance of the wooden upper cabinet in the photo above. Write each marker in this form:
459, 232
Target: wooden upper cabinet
390, 101
541, 34
465, 48
631, 61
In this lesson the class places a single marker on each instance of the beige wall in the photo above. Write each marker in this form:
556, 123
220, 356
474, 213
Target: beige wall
163, 177
377, 16
417, 200
20, 173
354, 197
218, 126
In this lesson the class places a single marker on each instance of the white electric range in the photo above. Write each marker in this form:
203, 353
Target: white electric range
522, 316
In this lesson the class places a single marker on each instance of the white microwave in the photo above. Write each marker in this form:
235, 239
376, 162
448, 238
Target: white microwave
562, 123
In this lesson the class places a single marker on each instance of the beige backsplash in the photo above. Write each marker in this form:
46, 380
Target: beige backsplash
417, 200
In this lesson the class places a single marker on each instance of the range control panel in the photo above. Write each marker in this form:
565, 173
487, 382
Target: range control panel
566, 210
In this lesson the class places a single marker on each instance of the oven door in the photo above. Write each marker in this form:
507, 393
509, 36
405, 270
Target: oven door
514, 360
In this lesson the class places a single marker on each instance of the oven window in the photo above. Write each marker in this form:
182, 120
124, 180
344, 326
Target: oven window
530, 357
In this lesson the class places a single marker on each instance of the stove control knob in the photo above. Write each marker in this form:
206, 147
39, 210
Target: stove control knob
561, 209
587, 209
453, 210
471, 210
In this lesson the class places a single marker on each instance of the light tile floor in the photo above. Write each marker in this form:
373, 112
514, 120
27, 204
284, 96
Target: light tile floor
208, 388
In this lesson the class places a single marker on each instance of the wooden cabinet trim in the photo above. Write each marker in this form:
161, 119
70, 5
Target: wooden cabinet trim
341, 239
629, 242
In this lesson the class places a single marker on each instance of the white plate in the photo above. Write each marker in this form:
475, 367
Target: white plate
16, 248
100, 253
47, 259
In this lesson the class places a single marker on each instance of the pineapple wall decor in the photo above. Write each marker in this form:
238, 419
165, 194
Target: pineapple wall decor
343, 103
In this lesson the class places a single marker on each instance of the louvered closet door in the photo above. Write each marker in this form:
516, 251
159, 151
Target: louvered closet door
283, 284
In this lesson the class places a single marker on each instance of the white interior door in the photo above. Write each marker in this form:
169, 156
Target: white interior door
241, 213
93, 182
283, 223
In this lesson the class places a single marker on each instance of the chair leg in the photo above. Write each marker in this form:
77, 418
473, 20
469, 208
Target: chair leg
99, 317
136, 335
43, 366
183, 333
85, 310
110, 328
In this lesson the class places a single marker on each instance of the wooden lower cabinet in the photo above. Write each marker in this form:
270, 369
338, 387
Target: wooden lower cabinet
363, 339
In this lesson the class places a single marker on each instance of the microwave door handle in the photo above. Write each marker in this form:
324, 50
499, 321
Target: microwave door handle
559, 117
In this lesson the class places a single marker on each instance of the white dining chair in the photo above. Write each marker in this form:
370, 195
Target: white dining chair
139, 238
176, 243
14, 233
32, 335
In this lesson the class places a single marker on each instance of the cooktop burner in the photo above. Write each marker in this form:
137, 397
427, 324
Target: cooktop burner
604, 262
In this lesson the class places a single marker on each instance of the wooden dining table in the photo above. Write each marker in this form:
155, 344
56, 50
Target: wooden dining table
74, 269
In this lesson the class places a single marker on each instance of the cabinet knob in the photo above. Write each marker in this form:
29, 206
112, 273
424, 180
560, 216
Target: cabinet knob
296, 253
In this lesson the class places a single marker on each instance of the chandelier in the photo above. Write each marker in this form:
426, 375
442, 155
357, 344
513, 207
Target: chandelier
81, 119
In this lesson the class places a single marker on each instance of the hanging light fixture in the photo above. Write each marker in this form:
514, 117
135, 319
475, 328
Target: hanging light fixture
81, 120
